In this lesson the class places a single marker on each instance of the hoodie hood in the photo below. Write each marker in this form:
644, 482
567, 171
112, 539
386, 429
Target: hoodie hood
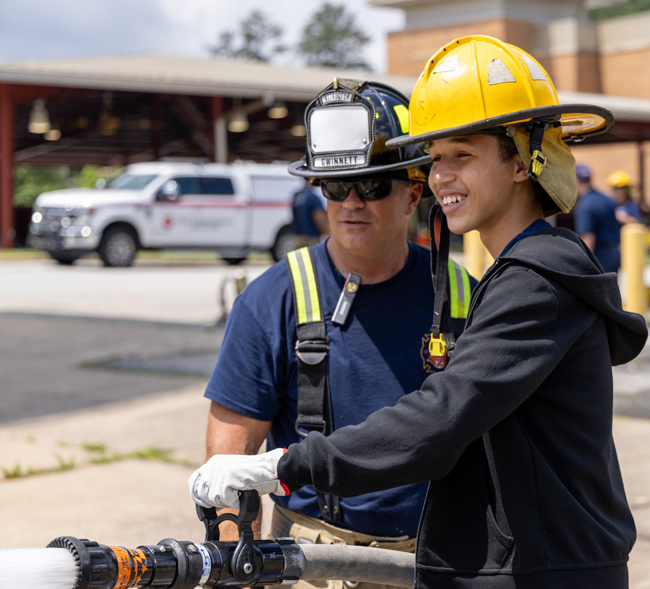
562, 256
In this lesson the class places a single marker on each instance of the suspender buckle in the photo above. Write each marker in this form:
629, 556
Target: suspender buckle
303, 429
314, 351
437, 346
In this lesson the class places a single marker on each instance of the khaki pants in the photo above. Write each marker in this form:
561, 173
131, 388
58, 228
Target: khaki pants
305, 529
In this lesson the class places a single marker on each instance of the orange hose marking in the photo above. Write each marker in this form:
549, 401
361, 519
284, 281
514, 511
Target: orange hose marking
123, 567
139, 564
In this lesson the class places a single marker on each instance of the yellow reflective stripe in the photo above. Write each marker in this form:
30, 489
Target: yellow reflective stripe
305, 286
467, 292
301, 312
453, 288
313, 287
459, 290
403, 115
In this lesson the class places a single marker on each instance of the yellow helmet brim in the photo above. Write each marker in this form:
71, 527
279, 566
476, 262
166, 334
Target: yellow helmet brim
577, 120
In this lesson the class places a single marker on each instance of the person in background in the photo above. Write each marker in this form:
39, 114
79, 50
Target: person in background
310, 222
596, 223
627, 210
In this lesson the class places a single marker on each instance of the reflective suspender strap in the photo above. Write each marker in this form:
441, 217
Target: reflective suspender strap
311, 345
312, 348
305, 286
459, 290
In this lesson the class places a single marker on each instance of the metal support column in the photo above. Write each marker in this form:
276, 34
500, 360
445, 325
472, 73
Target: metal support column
220, 131
156, 125
7, 232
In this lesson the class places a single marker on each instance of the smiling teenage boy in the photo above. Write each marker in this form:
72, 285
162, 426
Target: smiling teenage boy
515, 436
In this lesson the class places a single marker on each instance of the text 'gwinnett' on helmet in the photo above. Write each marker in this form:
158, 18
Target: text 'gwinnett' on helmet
478, 84
347, 127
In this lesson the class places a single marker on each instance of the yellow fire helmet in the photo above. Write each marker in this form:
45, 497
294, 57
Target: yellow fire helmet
479, 84
619, 179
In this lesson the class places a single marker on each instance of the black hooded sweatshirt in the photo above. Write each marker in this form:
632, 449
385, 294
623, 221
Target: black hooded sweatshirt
515, 436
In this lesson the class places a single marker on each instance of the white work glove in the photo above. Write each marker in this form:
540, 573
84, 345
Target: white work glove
218, 481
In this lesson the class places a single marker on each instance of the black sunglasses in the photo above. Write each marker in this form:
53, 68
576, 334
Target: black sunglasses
368, 189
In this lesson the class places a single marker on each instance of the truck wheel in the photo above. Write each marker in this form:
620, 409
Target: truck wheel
64, 258
284, 243
118, 247
234, 261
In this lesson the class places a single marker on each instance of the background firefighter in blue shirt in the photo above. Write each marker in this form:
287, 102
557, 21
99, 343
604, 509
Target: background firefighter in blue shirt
376, 354
515, 435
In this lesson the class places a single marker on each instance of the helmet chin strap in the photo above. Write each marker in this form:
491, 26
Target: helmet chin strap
538, 159
442, 341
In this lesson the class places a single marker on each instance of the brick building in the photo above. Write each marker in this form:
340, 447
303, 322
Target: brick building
609, 57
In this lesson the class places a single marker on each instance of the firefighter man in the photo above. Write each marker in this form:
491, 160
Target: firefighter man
357, 309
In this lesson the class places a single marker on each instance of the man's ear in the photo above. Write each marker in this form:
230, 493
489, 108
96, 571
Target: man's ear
415, 194
521, 169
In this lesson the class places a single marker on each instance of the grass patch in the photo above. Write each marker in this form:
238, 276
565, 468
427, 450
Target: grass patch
17, 471
99, 447
155, 454
99, 455
22, 254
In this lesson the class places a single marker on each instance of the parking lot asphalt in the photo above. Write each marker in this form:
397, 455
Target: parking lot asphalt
102, 417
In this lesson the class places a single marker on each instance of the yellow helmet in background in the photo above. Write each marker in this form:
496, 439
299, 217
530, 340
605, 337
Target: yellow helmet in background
479, 84
619, 179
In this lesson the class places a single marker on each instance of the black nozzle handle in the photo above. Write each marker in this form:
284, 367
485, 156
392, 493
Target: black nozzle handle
243, 562
249, 509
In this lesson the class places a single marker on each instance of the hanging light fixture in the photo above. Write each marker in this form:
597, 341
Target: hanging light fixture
238, 122
53, 135
39, 119
278, 111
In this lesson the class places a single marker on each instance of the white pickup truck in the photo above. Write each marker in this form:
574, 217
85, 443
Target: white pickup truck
232, 209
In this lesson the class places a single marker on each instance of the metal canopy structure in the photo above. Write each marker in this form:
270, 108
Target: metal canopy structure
120, 110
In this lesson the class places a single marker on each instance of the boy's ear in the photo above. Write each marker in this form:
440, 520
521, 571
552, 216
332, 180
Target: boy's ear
521, 169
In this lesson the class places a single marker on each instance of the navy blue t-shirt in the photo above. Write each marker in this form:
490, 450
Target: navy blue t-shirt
305, 203
537, 225
631, 208
596, 213
380, 355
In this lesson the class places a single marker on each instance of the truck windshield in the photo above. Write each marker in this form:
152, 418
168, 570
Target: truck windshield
130, 182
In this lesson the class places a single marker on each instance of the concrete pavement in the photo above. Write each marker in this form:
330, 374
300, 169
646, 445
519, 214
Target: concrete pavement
116, 472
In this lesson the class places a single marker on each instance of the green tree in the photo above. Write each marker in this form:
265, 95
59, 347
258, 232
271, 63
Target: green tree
332, 39
622, 9
88, 176
30, 182
259, 40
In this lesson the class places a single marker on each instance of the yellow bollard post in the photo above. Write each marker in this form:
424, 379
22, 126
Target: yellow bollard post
477, 258
633, 256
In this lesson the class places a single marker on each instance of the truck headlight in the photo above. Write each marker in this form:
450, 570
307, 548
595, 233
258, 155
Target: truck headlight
37, 217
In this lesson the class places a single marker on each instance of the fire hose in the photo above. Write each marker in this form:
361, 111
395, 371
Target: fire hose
174, 564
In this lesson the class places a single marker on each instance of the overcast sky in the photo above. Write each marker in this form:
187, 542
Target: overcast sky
51, 29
